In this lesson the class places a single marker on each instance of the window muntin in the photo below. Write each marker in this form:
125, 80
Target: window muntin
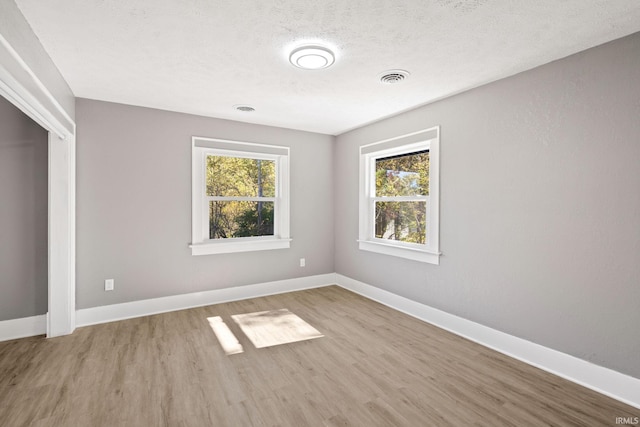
399, 196
240, 196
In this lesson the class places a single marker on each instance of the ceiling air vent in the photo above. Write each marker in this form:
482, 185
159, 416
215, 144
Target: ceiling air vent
393, 76
245, 108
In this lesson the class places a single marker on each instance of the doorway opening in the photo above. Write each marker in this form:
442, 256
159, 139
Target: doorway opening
20, 86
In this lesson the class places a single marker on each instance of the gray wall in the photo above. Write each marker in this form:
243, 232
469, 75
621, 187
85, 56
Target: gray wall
540, 206
23, 215
134, 205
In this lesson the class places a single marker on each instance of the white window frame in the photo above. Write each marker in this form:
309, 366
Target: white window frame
200, 242
427, 139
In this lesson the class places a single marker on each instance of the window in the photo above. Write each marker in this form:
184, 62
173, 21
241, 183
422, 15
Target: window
399, 195
240, 196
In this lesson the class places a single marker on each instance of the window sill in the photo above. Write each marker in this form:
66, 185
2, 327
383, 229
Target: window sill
238, 245
400, 251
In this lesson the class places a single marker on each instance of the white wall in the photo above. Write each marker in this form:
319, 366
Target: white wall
134, 205
540, 206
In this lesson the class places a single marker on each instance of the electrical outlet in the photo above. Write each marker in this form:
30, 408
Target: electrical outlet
302, 262
108, 285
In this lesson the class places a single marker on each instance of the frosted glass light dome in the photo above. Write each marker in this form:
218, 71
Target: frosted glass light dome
312, 57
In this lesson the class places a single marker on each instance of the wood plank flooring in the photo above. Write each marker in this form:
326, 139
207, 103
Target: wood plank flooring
374, 367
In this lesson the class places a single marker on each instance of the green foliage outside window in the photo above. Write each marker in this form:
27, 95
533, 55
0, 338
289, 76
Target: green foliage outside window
405, 175
235, 177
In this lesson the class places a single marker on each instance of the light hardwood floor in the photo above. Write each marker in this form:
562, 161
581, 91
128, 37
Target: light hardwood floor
374, 367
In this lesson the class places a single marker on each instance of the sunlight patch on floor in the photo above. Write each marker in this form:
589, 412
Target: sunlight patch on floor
274, 327
227, 339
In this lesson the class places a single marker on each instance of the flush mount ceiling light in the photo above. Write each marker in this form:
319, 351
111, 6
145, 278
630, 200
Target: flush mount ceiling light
312, 57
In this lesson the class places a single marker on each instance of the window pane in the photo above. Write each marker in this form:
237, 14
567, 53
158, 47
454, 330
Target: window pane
404, 175
240, 219
404, 221
240, 177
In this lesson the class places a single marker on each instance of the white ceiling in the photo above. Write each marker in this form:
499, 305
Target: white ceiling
205, 56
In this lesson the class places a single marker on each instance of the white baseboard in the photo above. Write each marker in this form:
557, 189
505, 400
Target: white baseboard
128, 310
22, 328
603, 380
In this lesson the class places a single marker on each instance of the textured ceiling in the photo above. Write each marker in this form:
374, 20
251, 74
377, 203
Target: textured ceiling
205, 56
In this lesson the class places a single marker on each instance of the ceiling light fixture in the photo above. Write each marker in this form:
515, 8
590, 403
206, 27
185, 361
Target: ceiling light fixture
312, 57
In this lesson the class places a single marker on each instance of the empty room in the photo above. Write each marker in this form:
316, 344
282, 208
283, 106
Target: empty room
338, 213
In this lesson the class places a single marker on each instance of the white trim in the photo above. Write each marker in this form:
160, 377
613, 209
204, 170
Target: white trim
22, 328
128, 310
61, 231
238, 146
408, 138
18, 93
426, 139
603, 380
28, 104
241, 244
200, 244
415, 254
21, 86
606, 381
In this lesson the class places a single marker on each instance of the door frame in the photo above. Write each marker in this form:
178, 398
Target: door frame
22, 87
